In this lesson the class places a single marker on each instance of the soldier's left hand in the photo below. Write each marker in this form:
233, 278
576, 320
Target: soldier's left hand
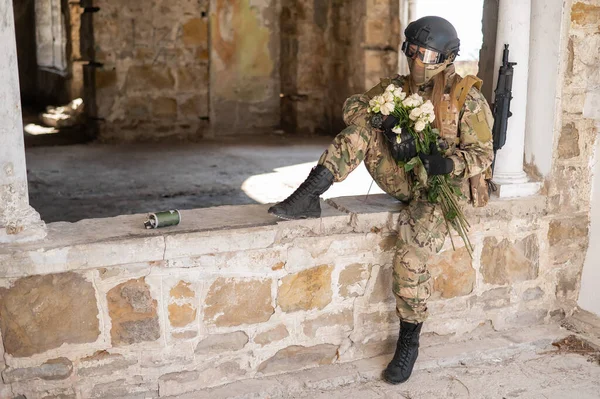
436, 163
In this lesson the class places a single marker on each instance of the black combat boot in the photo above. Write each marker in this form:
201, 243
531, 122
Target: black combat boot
304, 202
406, 354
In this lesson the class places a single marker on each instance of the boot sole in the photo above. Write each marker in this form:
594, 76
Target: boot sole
384, 378
284, 217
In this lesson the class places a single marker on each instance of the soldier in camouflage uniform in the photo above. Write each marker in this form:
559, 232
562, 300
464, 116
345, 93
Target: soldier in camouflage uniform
465, 123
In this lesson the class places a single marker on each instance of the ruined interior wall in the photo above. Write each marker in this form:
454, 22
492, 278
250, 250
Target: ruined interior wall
331, 50
127, 311
152, 63
244, 66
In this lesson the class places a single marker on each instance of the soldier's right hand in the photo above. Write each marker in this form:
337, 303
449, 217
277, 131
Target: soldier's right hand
405, 149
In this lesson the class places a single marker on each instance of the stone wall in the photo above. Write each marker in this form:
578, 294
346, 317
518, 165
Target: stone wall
329, 51
214, 68
151, 77
244, 66
104, 308
570, 187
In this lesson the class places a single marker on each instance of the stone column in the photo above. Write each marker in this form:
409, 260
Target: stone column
514, 29
18, 221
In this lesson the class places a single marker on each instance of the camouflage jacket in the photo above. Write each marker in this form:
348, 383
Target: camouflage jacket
467, 131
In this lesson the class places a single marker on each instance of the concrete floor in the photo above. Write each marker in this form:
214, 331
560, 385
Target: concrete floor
485, 364
74, 182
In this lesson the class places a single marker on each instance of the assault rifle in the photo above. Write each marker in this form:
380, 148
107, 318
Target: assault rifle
502, 97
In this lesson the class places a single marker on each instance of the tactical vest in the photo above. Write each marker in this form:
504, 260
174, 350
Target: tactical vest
451, 112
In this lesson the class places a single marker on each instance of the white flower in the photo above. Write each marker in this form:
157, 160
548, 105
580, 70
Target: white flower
398, 139
427, 107
398, 93
419, 126
376, 102
414, 100
388, 97
418, 99
397, 129
415, 113
427, 118
387, 108
390, 88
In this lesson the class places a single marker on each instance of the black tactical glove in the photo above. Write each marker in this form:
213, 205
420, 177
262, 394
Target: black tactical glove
436, 163
406, 149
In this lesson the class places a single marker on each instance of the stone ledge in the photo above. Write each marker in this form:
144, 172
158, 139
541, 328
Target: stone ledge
122, 240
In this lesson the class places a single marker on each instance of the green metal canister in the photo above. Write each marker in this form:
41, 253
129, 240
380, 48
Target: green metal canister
163, 219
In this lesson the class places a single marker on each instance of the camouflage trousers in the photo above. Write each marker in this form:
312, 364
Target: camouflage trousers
421, 227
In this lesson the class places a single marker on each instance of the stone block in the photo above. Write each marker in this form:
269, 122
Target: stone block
149, 78
195, 32
308, 289
232, 302
568, 143
106, 78
164, 107
507, 262
192, 78
453, 274
379, 319
103, 363
585, 14
179, 353
276, 334
54, 369
353, 280
382, 289
298, 357
133, 313
195, 244
61, 309
215, 344
492, 299
194, 107
188, 381
181, 315
185, 335
138, 108
531, 294
182, 290
136, 388
564, 231
341, 321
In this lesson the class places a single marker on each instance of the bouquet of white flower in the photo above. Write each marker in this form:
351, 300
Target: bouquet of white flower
415, 116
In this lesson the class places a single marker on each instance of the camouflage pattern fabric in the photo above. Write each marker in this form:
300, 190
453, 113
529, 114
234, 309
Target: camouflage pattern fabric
422, 230
421, 234
475, 152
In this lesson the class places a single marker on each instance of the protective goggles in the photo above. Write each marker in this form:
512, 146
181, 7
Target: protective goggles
426, 55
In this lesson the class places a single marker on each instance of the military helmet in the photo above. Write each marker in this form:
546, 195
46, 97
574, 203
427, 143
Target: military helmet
434, 34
